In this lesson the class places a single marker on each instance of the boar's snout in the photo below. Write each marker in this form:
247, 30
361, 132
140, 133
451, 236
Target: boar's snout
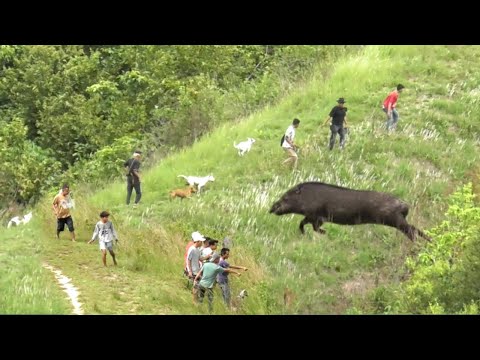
275, 207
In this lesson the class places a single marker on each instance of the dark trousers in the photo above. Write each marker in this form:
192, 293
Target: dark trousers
201, 294
336, 129
133, 183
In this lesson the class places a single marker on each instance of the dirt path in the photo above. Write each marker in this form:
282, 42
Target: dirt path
68, 287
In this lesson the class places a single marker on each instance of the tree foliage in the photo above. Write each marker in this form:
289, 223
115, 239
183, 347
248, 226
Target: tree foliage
75, 101
27, 169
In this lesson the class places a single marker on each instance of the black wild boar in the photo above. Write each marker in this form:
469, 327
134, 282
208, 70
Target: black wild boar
320, 203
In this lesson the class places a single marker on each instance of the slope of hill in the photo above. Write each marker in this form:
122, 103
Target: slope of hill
434, 150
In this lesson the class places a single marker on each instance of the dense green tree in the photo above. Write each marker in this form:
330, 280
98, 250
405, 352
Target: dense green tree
77, 100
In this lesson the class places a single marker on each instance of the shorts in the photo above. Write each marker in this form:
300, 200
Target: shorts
106, 245
62, 221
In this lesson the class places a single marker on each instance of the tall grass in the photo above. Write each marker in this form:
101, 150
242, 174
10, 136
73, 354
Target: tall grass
25, 286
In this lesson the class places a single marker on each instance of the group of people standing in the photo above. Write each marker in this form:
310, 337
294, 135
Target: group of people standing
338, 124
204, 267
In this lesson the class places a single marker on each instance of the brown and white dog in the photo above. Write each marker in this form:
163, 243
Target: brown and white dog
182, 193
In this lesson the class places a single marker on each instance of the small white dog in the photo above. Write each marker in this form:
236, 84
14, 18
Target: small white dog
237, 302
15, 220
199, 181
244, 146
243, 294
18, 221
27, 218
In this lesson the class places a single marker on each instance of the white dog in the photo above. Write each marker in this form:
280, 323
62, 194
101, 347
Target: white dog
15, 220
243, 294
244, 146
18, 221
237, 302
27, 218
199, 181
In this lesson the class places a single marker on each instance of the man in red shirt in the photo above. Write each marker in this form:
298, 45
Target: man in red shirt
389, 106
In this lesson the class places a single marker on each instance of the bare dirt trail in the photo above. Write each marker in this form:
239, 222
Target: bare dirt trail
67, 286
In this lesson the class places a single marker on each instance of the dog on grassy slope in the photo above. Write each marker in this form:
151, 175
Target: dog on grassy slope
199, 181
244, 146
17, 220
182, 193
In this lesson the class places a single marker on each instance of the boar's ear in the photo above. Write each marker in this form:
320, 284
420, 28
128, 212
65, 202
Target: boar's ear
298, 190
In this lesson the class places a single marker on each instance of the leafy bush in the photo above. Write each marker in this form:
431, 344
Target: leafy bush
445, 276
105, 164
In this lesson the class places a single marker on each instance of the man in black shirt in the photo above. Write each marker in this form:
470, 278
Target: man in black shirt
338, 116
132, 167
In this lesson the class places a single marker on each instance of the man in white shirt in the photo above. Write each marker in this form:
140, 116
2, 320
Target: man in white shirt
289, 146
207, 252
193, 260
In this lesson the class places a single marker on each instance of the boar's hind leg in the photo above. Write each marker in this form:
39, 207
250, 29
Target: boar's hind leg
316, 225
421, 233
401, 224
408, 230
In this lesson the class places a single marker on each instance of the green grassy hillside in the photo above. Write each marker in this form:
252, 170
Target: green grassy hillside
25, 286
433, 151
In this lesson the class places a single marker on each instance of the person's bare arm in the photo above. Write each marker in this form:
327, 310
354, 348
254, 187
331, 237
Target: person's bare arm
346, 124
238, 267
232, 271
329, 118
198, 276
55, 206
